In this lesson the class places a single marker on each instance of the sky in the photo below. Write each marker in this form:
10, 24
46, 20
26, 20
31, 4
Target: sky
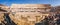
9, 2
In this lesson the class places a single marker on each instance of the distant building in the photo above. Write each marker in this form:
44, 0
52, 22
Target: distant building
31, 12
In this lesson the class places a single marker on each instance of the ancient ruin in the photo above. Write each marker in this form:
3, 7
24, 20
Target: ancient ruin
25, 14
29, 14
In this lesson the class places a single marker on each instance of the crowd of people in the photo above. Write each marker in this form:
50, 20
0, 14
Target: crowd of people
51, 20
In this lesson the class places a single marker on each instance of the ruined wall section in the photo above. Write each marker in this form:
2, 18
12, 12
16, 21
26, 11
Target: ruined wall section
28, 14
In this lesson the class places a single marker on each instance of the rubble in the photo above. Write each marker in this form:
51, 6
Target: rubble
4, 16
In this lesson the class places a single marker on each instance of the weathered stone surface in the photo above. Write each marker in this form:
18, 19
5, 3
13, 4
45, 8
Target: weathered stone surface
22, 20
28, 14
1, 17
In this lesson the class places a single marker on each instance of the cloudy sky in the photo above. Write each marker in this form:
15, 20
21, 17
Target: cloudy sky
9, 2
